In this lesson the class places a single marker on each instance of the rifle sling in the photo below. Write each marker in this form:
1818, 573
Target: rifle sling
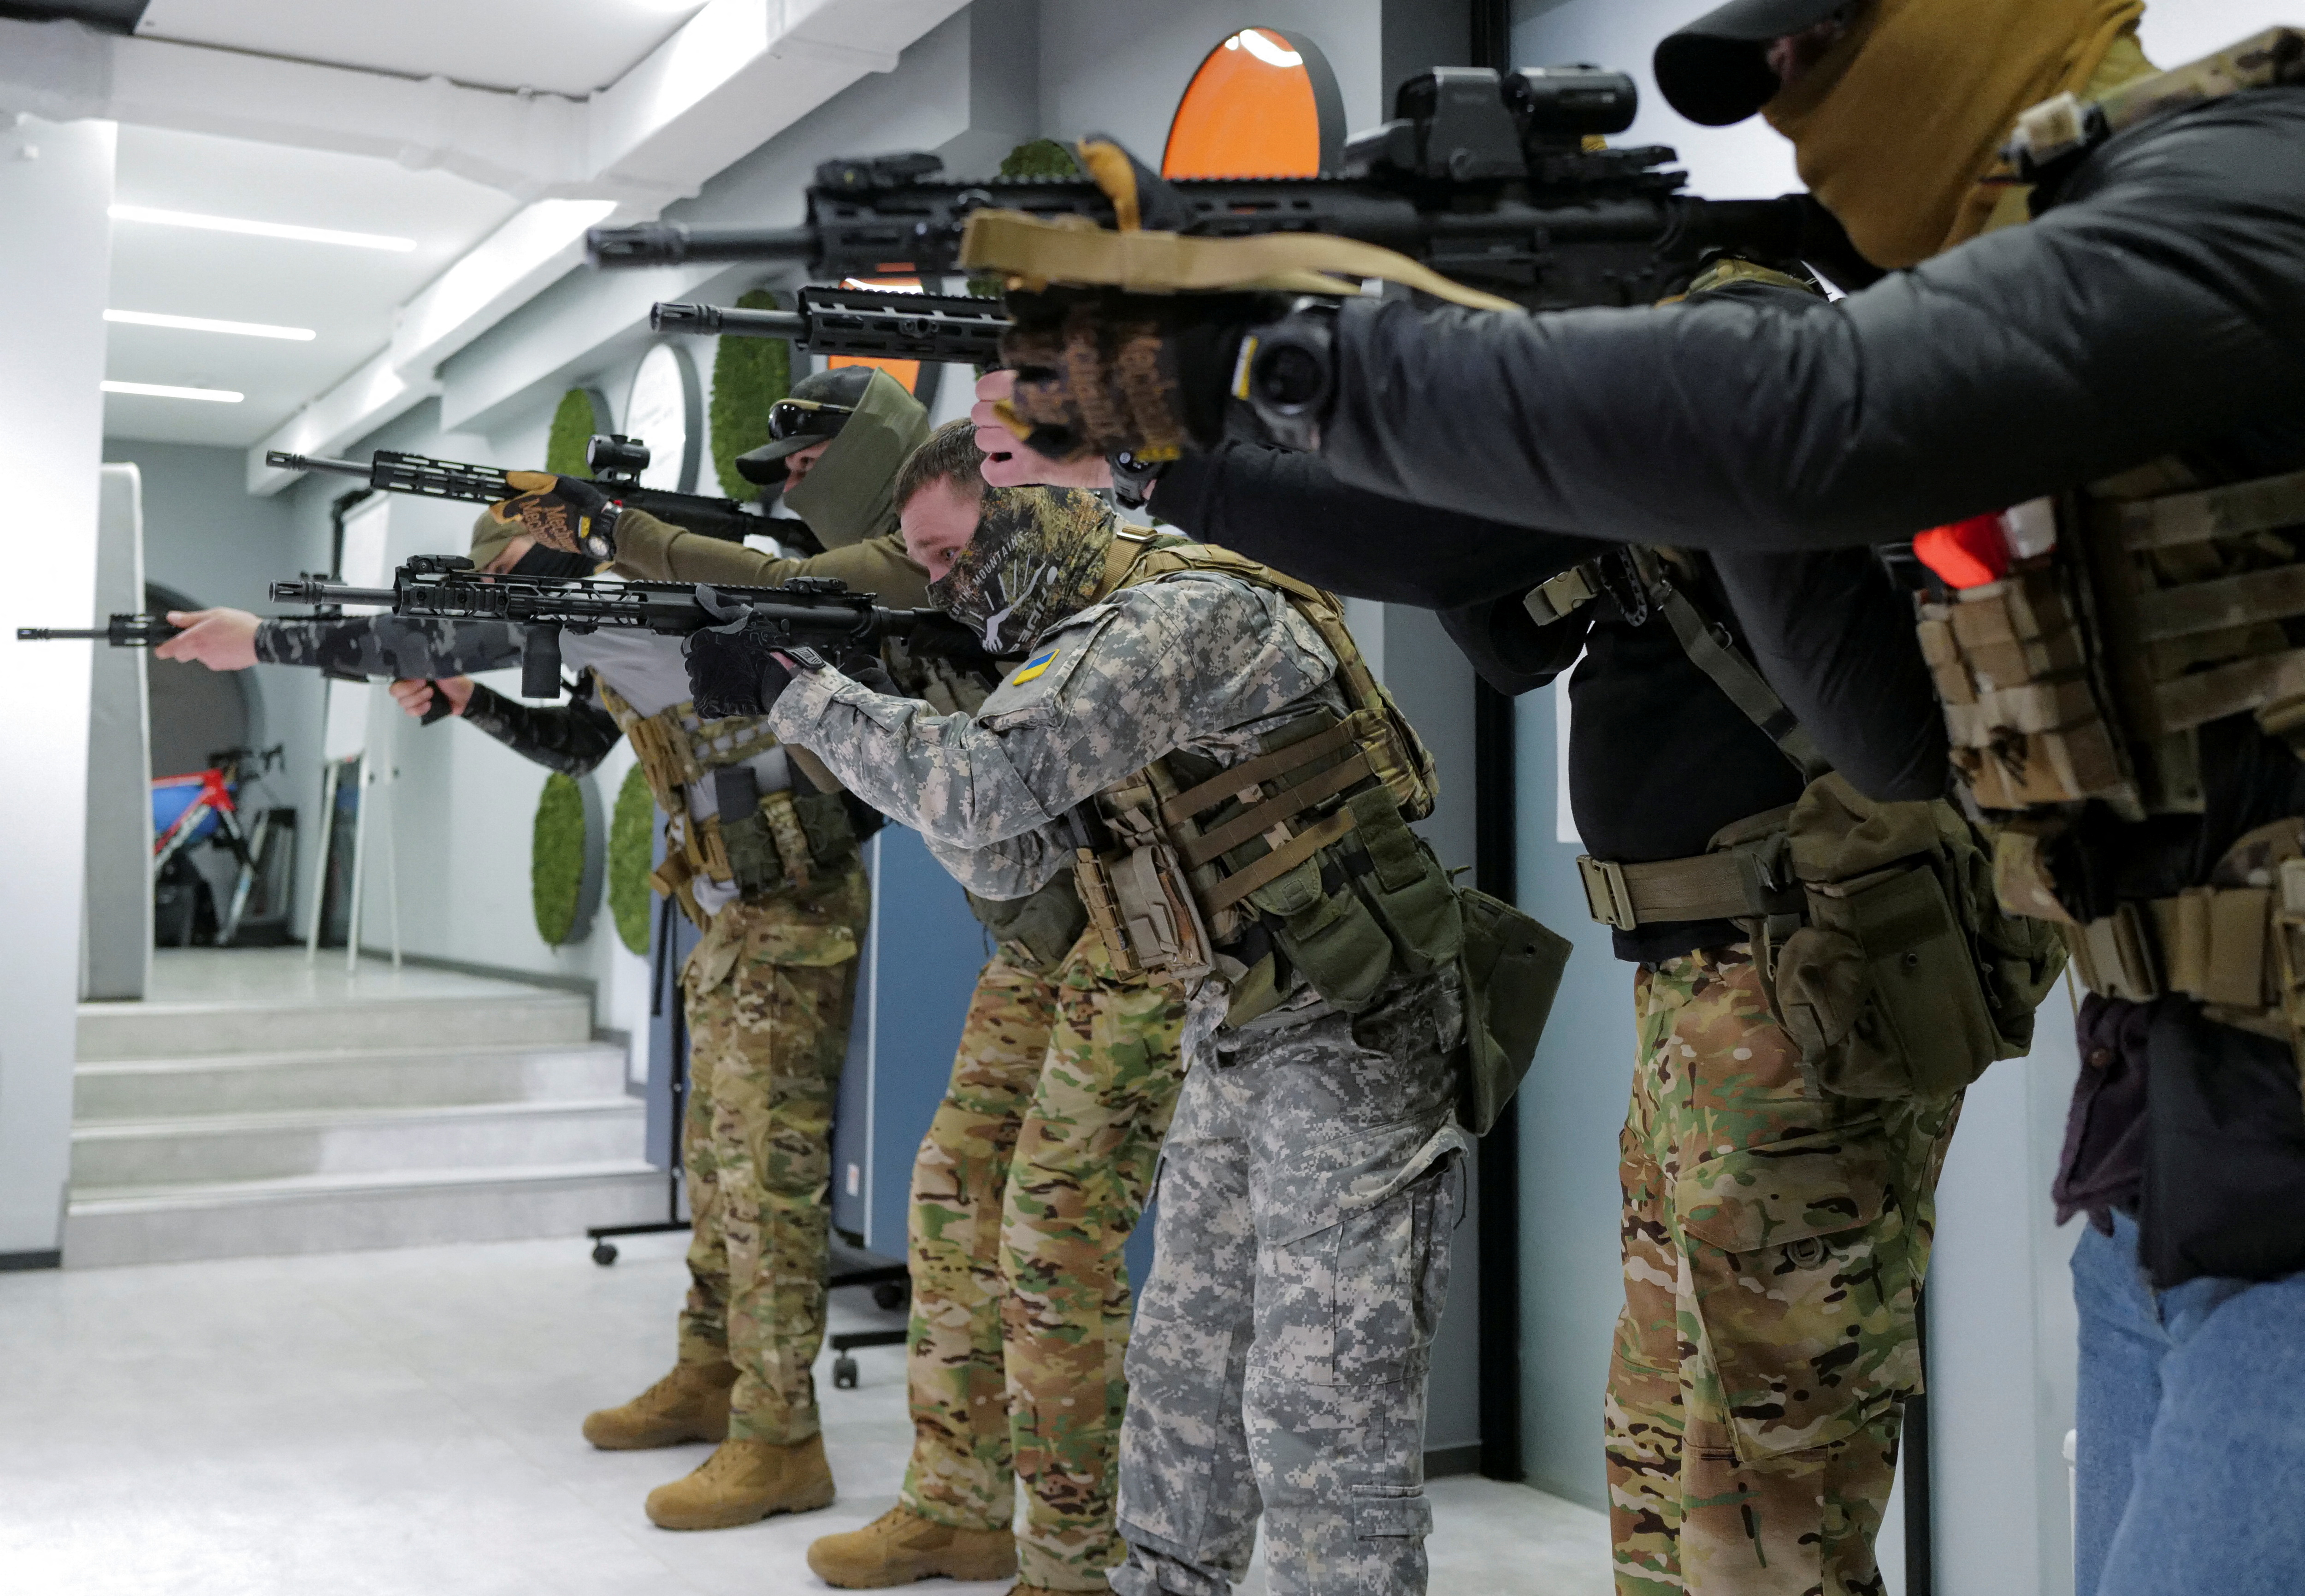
1154, 262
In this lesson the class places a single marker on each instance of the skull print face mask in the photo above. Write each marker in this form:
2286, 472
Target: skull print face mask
1037, 558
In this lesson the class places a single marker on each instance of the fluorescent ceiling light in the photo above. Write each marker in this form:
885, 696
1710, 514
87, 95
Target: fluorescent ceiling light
1268, 50
161, 390
203, 323
310, 235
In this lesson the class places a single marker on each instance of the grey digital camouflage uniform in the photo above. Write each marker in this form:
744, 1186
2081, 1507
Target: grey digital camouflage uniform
399, 647
1307, 1189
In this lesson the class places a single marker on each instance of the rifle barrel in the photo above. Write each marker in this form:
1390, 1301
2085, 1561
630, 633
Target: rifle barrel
672, 318
281, 460
668, 243
42, 634
313, 591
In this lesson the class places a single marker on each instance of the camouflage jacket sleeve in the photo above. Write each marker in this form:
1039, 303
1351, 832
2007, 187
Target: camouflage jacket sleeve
572, 738
1181, 662
656, 550
397, 646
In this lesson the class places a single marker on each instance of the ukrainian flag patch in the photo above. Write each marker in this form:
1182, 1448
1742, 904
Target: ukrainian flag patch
1033, 667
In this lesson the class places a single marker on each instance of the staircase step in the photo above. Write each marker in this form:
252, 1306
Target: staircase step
328, 1213
345, 1078
269, 1146
184, 1028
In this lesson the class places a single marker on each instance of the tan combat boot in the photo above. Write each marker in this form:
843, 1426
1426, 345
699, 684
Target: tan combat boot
900, 1547
691, 1403
744, 1482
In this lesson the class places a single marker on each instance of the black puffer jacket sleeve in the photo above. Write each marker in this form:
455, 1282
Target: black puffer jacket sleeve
572, 738
2159, 305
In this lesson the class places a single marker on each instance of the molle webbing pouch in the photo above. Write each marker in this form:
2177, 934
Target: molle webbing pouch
784, 841
2236, 945
1132, 883
1035, 933
2087, 673
1397, 755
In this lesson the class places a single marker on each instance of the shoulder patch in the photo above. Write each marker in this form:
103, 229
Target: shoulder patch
1035, 666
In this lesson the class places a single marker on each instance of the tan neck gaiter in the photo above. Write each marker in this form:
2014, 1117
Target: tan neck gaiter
1899, 128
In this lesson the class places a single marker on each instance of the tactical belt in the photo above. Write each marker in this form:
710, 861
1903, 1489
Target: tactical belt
1728, 886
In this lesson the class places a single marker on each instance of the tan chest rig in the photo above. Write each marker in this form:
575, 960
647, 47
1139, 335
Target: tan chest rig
2085, 676
762, 844
1301, 853
1872, 924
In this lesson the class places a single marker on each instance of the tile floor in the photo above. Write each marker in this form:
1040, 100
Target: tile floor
403, 1423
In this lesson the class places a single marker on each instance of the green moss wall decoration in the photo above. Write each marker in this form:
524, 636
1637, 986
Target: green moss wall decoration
556, 860
748, 376
1040, 157
632, 837
574, 423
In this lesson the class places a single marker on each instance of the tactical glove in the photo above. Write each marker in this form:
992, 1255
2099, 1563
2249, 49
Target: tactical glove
1104, 371
567, 513
735, 669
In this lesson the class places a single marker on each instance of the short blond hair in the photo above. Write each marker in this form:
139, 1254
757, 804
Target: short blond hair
948, 455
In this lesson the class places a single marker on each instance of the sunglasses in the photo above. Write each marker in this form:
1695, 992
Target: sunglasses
798, 418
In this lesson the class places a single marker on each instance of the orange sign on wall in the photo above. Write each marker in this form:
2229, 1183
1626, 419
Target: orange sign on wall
1262, 105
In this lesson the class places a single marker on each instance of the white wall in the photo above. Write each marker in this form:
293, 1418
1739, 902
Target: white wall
55, 184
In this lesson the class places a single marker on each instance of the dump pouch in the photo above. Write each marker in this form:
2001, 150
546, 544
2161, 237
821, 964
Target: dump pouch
1905, 980
1510, 966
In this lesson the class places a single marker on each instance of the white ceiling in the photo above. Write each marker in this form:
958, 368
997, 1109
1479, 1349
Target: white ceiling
346, 296
569, 46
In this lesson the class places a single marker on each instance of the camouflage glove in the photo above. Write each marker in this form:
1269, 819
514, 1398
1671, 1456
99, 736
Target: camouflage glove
563, 513
1104, 371
735, 669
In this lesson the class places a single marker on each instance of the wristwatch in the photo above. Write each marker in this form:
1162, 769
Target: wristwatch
1133, 479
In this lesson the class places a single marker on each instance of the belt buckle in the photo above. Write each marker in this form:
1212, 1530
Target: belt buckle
1607, 898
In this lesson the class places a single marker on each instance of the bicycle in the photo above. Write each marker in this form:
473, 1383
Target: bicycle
213, 800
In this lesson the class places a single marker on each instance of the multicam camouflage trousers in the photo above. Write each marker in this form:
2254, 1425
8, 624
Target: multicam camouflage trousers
769, 993
1774, 1241
1307, 1197
1033, 1174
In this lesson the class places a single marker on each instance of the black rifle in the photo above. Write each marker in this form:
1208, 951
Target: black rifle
1485, 179
888, 323
616, 463
123, 632
811, 612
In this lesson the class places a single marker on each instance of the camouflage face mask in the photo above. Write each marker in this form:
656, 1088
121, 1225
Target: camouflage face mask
1038, 557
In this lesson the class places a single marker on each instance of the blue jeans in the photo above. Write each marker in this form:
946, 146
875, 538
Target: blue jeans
2192, 1430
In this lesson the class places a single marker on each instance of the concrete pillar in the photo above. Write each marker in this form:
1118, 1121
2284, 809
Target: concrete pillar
56, 184
116, 923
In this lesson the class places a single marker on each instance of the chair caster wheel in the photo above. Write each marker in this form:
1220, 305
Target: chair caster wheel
604, 1254
889, 1296
844, 1373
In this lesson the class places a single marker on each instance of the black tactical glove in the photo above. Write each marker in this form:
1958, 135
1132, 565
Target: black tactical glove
567, 513
735, 669
1104, 371
944, 636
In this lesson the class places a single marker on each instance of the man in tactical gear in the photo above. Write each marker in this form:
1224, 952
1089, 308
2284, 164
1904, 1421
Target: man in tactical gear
1676, 766
763, 858
1035, 1168
1198, 737
2085, 370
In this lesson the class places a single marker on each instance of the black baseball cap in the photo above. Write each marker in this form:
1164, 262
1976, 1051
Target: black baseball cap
1716, 69
839, 391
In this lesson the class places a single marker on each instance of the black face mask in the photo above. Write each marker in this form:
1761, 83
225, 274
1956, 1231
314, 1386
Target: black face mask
555, 564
